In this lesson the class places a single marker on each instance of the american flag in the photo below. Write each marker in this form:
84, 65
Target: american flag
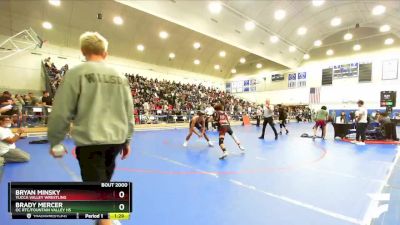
315, 94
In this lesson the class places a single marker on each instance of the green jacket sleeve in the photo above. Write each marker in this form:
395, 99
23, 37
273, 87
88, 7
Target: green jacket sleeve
129, 107
64, 108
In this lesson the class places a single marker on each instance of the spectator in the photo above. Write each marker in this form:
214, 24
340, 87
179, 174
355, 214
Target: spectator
34, 101
46, 99
8, 150
343, 118
6, 104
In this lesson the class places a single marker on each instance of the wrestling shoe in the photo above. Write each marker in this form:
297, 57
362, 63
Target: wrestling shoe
262, 137
210, 144
224, 155
185, 144
287, 131
241, 148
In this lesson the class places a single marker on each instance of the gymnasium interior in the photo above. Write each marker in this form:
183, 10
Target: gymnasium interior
308, 90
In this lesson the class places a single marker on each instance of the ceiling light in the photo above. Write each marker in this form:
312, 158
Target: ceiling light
47, 25
336, 21
164, 35
318, 2
242, 60
118, 20
384, 28
259, 65
233, 70
348, 36
317, 43
302, 31
196, 62
217, 67
249, 25
280, 14
357, 47
274, 39
378, 10
292, 49
389, 41
196, 45
215, 7
140, 48
55, 2
171, 55
329, 52
306, 56
222, 54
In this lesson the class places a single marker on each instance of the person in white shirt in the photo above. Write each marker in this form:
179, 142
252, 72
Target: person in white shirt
258, 114
8, 150
209, 112
268, 119
362, 123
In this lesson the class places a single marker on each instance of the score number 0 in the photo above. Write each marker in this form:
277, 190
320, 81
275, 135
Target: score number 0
121, 206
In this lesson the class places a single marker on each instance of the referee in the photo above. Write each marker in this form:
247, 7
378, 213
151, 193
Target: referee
268, 119
97, 100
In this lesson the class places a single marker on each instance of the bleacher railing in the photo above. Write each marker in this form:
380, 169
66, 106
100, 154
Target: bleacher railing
37, 116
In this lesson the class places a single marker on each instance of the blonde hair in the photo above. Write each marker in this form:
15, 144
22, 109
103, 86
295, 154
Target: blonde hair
93, 43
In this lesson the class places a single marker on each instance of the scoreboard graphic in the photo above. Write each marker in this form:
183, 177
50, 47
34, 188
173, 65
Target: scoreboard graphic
70, 200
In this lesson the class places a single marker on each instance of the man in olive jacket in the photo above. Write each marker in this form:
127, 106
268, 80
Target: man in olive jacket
97, 100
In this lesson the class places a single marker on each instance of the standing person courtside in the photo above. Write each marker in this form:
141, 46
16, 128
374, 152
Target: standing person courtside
209, 112
320, 121
98, 101
361, 117
282, 119
258, 115
268, 119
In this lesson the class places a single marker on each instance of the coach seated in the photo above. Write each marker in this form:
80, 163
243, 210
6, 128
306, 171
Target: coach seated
9, 153
387, 127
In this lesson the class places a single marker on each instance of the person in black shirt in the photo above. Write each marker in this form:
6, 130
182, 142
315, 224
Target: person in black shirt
46, 99
47, 102
282, 119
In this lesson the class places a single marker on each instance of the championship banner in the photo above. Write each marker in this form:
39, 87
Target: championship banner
292, 80
302, 79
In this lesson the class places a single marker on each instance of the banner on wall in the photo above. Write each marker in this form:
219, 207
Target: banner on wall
302, 79
346, 70
390, 69
241, 86
292, 77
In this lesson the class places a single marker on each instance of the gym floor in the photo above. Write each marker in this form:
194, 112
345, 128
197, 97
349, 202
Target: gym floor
291, 181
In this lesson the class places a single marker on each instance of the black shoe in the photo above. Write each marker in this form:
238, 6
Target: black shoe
287, 131
280, 132
276, 137
262, 137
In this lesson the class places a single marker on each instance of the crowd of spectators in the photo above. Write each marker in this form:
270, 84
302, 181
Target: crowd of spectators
18, 106
55, 75
154, 96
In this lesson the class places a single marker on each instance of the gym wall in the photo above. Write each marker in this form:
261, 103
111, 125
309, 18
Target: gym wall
343, 93
22, 72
